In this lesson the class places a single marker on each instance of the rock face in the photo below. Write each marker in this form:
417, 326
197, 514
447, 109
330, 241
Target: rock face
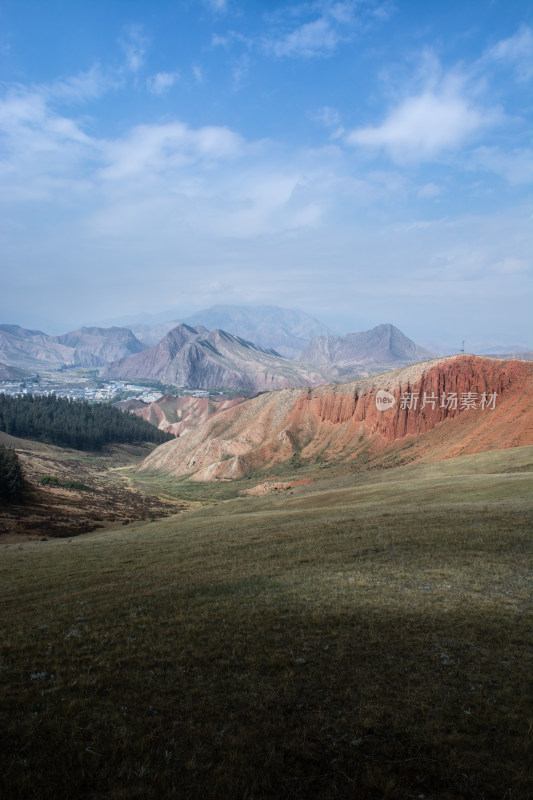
438, 409
195, 357
86, 347
383, 345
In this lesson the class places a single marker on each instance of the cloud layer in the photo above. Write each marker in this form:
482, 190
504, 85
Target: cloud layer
417, 201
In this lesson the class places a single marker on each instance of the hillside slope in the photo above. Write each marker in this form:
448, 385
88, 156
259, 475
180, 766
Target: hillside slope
178, 415
337, 424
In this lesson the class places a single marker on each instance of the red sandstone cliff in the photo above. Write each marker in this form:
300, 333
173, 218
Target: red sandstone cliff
442, 408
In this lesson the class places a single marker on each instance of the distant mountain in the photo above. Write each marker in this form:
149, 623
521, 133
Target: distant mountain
282, 329
521, 355
94, 347
86, 347
384, 345
151, 335
194, 357
32, 350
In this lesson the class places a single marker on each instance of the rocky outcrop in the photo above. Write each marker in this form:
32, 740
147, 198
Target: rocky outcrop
437, 409
194, 357
384, 345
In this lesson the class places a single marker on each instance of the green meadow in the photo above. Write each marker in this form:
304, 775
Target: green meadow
363, 636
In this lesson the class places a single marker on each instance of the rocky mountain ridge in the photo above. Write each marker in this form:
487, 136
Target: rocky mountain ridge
438, 409
195, 357
85, 347
284, 330
384, 344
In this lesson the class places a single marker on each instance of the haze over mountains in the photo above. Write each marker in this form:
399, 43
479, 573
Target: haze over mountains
253, 348
384, 344
189, 356
285, 330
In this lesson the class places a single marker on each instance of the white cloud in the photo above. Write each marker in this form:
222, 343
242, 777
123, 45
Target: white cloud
328, 24
428, 191
84, 86
160, 148
311, 39
29, 126
160, 83
425, 125
134, 45
330, 117
240, 71
219, 6
515, 166
516, 51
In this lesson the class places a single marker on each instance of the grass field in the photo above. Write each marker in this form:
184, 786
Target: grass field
366, 636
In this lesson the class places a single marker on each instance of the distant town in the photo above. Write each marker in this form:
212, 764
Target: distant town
83, 385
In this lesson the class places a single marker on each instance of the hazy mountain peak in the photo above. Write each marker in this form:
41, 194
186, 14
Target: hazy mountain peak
284, 330
385, 344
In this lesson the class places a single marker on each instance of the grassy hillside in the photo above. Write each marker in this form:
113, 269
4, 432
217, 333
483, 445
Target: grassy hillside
359, 637
70, 492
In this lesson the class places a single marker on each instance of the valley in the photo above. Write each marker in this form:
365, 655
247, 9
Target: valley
101, 497
310, 593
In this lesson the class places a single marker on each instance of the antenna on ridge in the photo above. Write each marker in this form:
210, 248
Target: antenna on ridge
463, 347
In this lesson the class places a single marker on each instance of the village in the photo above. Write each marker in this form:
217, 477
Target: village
78, 385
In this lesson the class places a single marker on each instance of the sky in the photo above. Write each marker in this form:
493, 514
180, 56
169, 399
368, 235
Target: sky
365, 161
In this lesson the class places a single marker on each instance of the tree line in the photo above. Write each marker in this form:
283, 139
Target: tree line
73, 423
12, 483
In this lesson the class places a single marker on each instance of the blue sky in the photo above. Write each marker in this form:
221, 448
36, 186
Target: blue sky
366, 161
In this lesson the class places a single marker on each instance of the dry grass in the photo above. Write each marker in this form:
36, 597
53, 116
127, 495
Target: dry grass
363, 638
63, 511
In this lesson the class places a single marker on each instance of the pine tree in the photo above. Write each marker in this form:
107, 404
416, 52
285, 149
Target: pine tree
73, 423
12, 483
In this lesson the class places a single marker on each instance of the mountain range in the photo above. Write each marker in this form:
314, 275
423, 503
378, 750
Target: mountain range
404, 415
194, 356
86, 347
285, 330
250, 348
